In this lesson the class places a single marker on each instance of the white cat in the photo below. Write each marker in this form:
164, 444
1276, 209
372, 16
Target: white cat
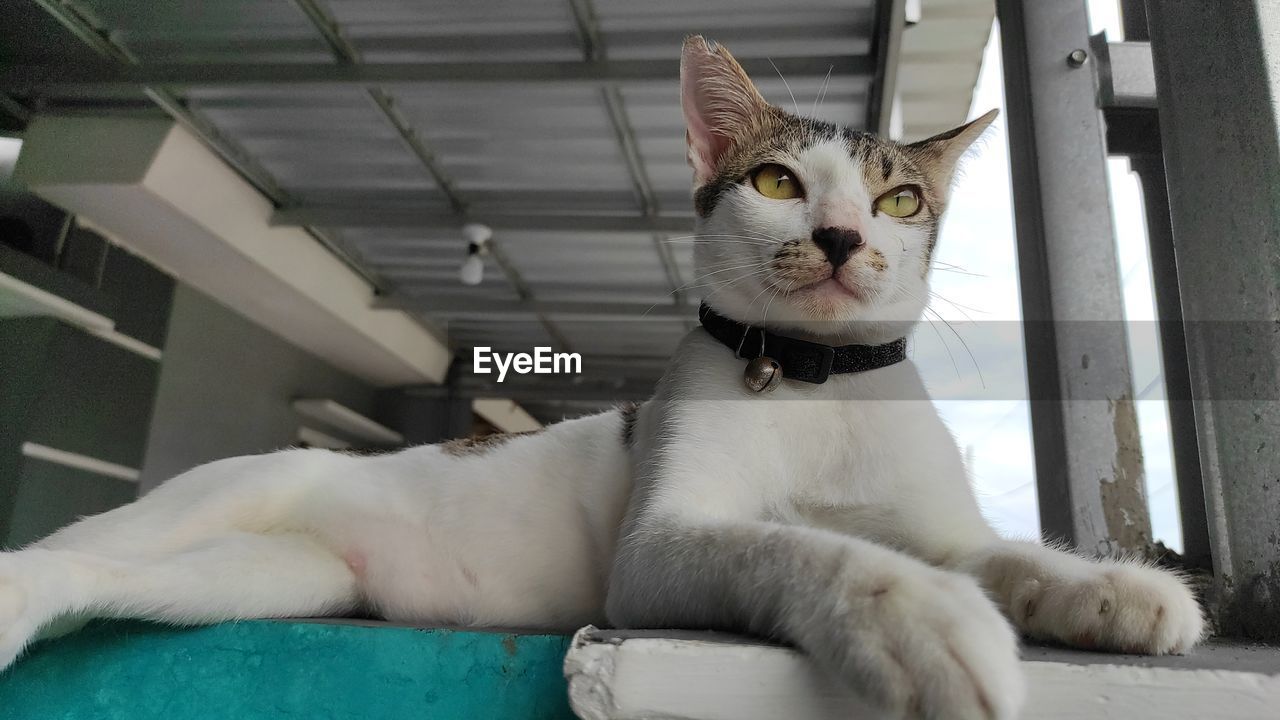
835, 515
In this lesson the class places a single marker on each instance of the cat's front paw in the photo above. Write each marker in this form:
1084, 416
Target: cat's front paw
930, 644
1119, 607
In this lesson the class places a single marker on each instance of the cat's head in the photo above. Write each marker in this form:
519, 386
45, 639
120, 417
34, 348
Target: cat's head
804, 226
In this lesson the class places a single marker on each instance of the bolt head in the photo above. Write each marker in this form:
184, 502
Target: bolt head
1077, 58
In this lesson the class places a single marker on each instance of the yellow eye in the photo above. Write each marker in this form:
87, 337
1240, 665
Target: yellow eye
776, 182
900, 202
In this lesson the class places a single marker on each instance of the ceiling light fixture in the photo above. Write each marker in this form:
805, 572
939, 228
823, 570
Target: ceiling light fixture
472, 270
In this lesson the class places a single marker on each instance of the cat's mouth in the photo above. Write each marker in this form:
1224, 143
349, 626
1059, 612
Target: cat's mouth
831, 287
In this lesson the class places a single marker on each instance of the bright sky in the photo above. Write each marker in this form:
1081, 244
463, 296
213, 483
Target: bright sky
977, 283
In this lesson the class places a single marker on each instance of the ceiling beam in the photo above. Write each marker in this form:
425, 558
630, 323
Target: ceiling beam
29, 78
457, 308
101, 41
348, 55
408, 217
593, 48
786, 25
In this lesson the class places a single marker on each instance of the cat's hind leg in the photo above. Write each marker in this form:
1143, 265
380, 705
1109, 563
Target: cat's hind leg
234, 575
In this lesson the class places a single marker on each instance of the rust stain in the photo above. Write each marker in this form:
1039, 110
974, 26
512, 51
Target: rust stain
509, 644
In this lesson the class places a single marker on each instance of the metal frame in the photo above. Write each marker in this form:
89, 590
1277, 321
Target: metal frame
433, 214
1127, 95
186, 75
593, 48
428, 220
1210, 204
348, 56
99, 39
891, 20
1088, 454
1222, 197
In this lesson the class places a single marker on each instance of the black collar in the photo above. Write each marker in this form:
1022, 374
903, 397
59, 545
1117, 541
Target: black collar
800, 359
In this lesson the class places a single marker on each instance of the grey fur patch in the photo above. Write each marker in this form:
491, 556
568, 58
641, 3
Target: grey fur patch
886, 164
629, 411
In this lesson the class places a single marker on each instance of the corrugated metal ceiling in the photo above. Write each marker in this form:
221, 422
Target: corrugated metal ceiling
559, 154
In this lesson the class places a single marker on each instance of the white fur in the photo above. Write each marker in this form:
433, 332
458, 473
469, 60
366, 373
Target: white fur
859, 469
514, 537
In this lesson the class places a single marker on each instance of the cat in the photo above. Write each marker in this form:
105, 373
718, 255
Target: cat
832, 515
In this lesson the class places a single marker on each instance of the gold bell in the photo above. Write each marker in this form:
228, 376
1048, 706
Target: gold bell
762, 374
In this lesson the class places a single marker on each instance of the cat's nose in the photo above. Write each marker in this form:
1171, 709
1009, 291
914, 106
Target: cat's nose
838, 243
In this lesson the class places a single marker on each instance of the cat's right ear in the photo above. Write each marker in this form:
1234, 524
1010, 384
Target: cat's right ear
719, 101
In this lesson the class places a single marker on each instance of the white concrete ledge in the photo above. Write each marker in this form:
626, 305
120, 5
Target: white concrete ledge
657, 675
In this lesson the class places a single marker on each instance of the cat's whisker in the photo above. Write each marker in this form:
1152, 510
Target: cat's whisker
746, 232
734, 281
942, 340
786, 85
743, 241
765, 289
982, 380
746, 266
695, 238
717, 238
694, 284
958, 306
822, 92
952, 268
946, 346
721, 283
764, 321
960, 272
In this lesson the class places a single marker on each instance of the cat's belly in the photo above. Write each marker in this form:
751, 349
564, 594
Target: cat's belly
513, 533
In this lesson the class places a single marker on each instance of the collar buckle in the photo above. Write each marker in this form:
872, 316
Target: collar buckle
805, 361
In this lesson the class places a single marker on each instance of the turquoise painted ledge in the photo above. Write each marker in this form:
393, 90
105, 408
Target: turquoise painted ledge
262, 669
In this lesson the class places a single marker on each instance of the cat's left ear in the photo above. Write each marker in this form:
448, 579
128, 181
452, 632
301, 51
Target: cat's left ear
940, 154
719, 101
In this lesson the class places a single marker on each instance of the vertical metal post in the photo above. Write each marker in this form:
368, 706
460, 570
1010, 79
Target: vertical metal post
891, 20
1173, 356
1218, 80
1149, 167
1084, 425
